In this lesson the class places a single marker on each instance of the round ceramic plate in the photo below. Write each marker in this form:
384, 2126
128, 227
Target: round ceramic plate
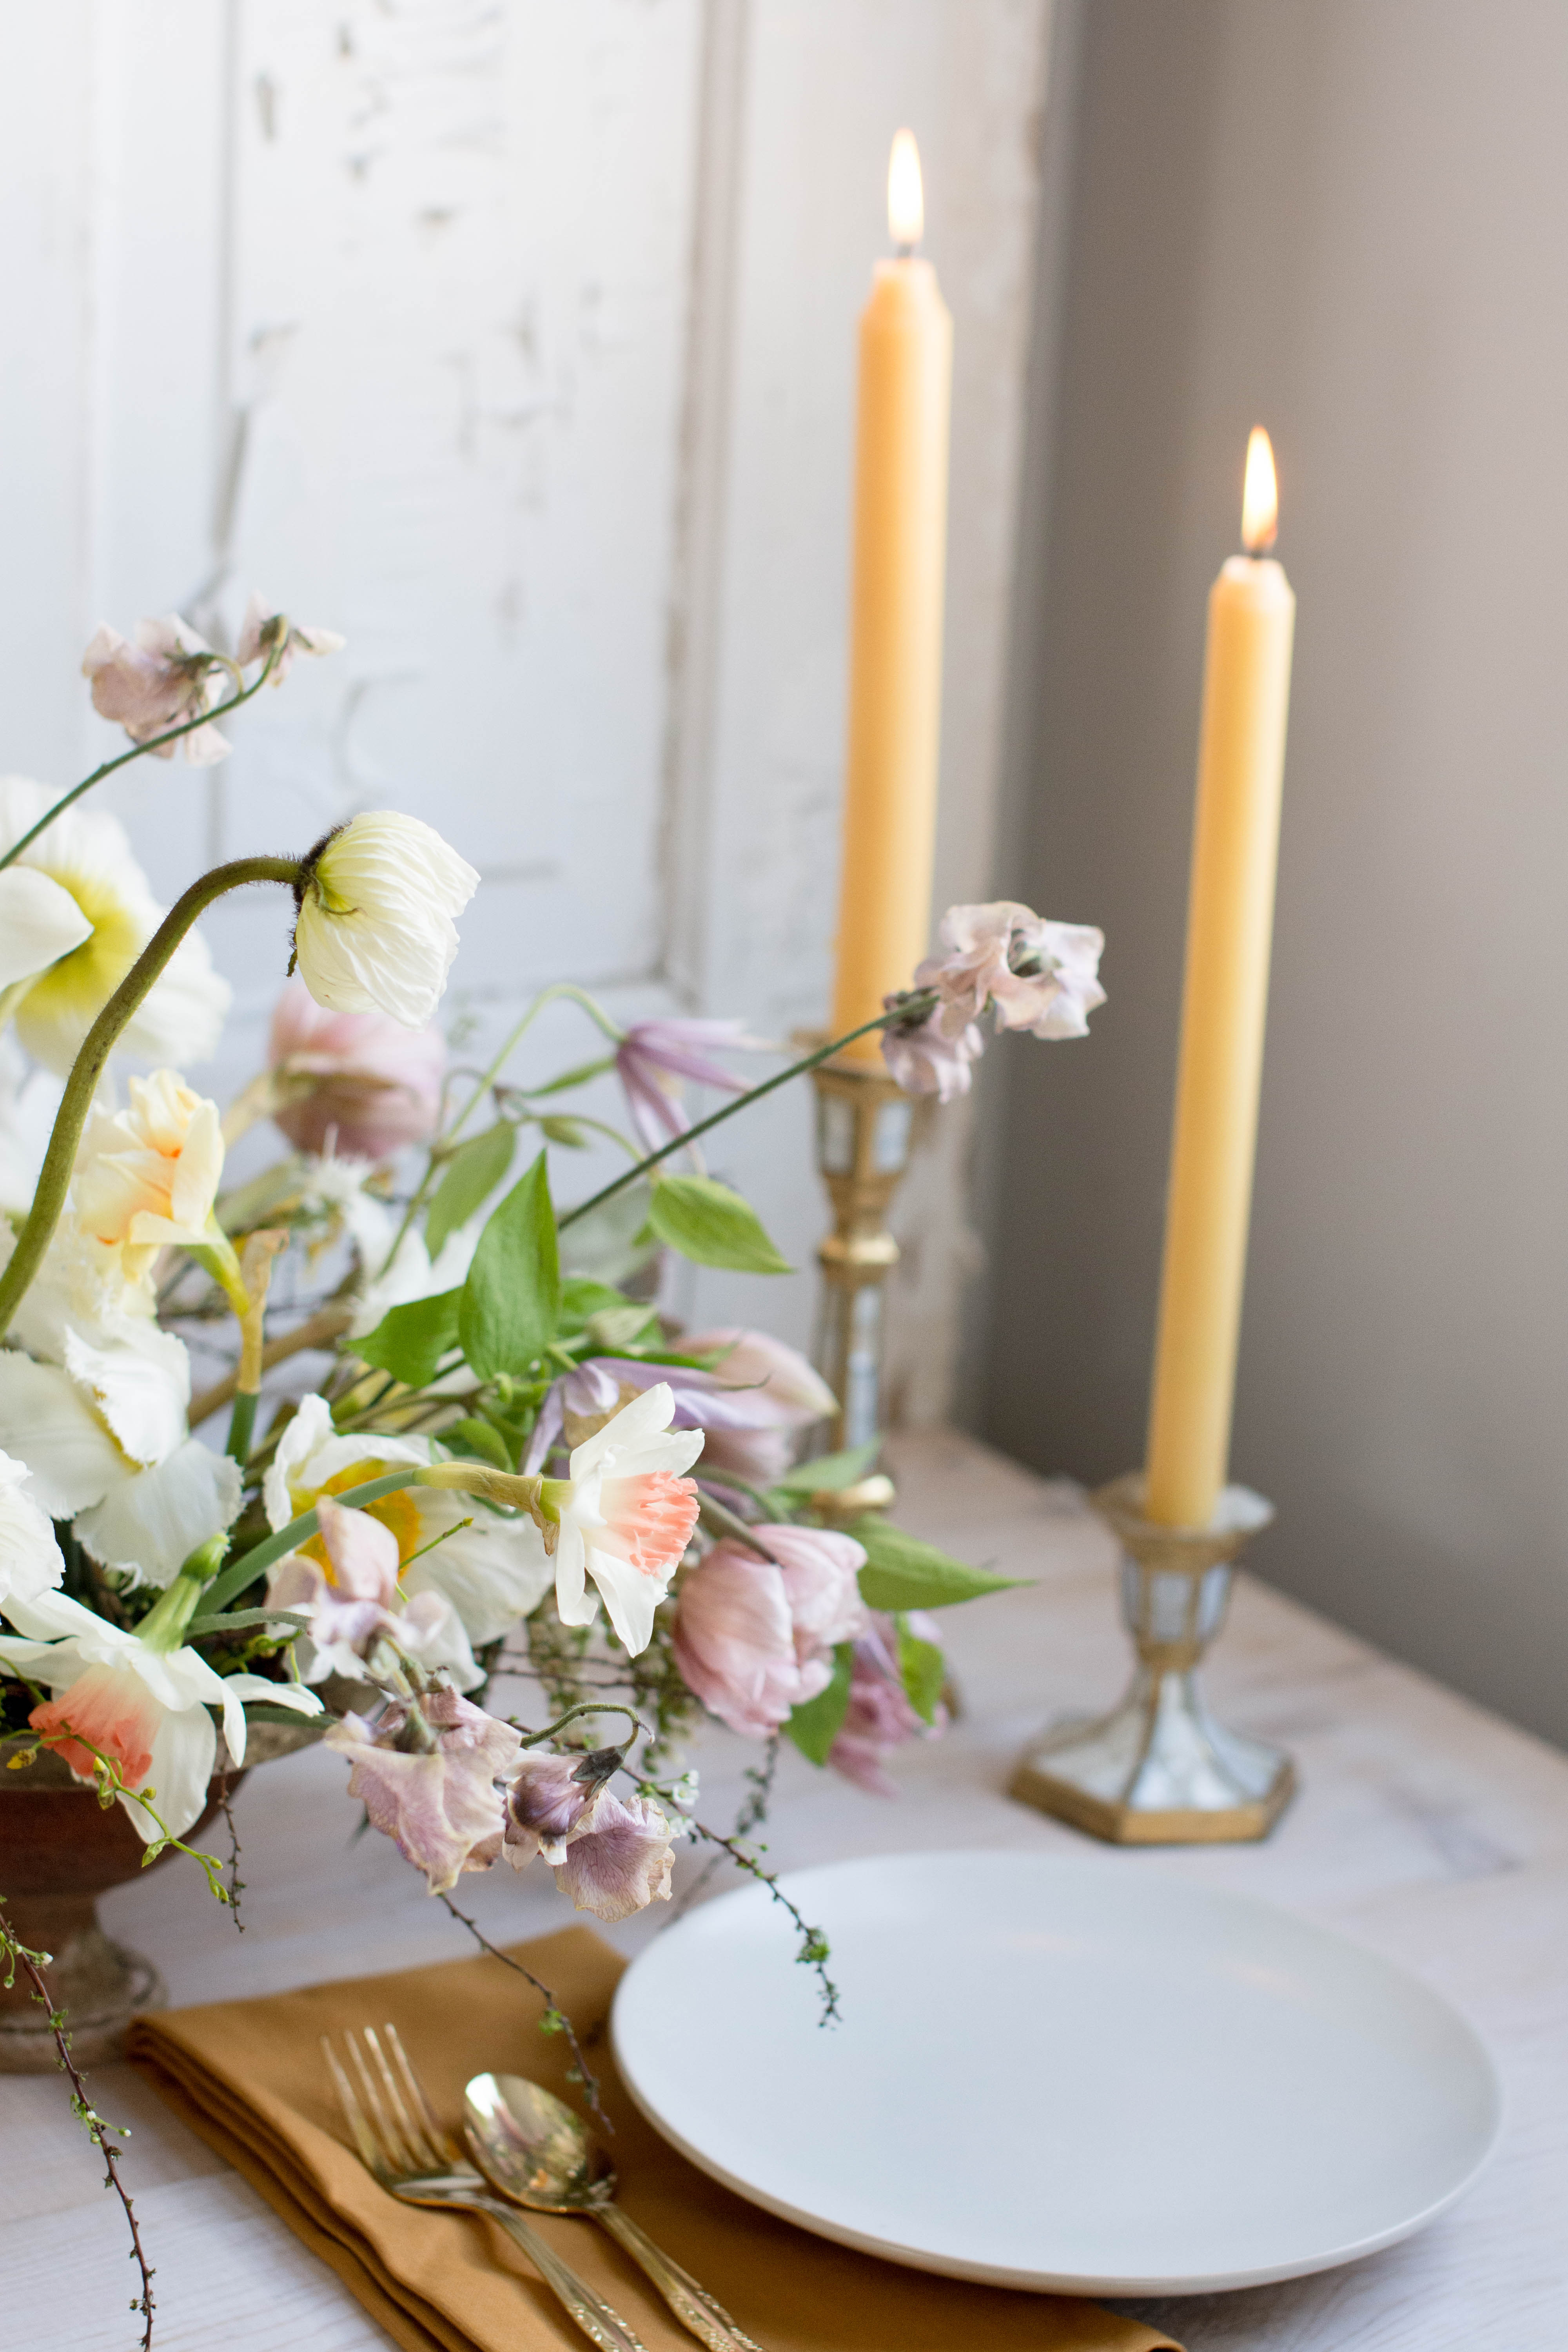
1081, 2076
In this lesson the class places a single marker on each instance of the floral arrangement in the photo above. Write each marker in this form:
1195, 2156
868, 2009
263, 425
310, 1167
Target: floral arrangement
512, 1462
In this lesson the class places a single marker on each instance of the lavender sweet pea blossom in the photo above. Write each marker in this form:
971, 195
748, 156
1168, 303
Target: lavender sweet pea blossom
1034, 974
151, 683
260, 632
353, 1603
654, 1056
442, 1809
612, 1856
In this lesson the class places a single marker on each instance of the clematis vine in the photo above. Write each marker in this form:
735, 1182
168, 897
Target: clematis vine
750, 1408
653, 1059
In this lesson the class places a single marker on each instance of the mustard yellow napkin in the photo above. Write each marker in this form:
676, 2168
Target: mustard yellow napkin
248, 2077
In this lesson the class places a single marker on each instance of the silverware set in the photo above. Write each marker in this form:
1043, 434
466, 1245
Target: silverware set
526, 2151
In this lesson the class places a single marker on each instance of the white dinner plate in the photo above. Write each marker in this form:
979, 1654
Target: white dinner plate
1089, 2077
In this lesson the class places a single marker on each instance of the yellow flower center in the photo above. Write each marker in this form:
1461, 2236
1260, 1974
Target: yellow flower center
398, 1512
78, 987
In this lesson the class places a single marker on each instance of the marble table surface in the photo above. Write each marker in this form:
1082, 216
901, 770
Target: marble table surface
1426, 1828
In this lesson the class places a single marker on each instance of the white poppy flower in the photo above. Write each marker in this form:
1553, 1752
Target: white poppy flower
375, 932
145, 1708
492, 1572
30, 1561
625, 1516
86, 855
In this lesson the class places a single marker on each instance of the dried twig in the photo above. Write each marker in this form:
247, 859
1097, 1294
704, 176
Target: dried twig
236, 1884
318, 1331
32, 1965
554, 2020
814, 1947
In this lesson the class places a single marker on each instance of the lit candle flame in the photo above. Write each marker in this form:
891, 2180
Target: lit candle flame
906, 198
1259, 496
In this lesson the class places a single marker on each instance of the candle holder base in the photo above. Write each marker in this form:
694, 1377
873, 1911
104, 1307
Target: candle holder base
864, 1128
1158, 1769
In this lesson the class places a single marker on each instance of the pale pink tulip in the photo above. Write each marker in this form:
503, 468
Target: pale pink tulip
375, 1083
821, 1571
443, 1809
879, 1717
734, 1642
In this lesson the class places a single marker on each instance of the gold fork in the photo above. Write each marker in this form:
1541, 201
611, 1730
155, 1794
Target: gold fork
414, 2160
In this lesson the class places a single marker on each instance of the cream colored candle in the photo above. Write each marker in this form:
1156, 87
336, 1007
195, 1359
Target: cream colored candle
895, 683
1230, 918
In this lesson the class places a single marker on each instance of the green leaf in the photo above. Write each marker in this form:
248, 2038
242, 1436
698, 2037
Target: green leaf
815, 1725
234, 1621
558, 1129
410, 1342
618, 1327
512, 1299
923, 1670
473, 1171
262, 1711
581, 1298
579, 1076
829, 1471
711, 1225
472, 1436
901, 1572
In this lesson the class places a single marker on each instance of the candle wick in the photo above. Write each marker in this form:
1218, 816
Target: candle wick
903, 252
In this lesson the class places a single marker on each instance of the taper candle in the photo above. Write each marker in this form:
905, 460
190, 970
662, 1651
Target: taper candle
1236, 839
895, 684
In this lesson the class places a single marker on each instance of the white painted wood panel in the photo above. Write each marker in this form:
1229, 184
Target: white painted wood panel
516, 342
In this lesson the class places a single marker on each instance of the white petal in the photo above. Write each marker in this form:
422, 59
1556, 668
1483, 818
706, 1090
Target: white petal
48, 1616
39, 922
46, 1424
630, 1596
151, 1523
140, 1383
493, 1572
30, 1561
674, 1453
184, 1749
646, 1417
309, 1430
575, 1605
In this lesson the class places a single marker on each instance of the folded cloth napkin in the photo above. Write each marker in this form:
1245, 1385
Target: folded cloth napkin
248, 2077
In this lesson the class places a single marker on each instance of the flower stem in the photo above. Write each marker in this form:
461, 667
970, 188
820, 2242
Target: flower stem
137, 751
48, 1200
739, 1102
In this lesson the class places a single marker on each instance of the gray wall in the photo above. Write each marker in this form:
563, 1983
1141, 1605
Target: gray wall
1350, 222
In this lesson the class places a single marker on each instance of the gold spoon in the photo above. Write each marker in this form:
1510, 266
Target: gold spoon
532, 2147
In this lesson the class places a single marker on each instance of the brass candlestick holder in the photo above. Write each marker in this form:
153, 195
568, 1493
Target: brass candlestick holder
1159, 1770
863, 1130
